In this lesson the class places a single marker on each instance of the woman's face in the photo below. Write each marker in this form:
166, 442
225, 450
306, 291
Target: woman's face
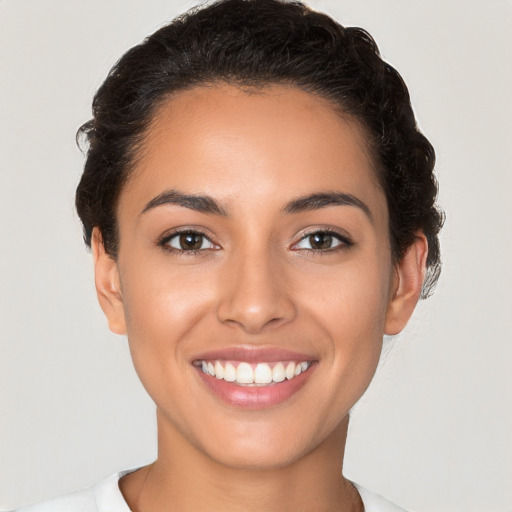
253, 245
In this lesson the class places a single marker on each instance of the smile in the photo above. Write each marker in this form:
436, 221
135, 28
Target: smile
251, 374
254, 379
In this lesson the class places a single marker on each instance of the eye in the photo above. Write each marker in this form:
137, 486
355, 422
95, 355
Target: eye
322, 241
188, 241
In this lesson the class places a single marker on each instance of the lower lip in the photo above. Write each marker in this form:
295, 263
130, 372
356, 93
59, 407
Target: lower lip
255, 397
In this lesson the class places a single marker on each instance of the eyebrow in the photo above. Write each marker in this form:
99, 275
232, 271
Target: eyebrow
206, 204
323, 200
199, 203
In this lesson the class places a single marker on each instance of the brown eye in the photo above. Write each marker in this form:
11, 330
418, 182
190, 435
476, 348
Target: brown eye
189, 241
320, 241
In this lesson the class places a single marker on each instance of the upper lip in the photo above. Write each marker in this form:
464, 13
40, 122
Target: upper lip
253, 354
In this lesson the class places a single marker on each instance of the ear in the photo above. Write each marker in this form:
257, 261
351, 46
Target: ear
108, 288
408, 281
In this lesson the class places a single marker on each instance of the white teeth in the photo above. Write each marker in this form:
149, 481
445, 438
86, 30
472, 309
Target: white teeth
244, 374
278, 373
290, 371
219, 370
229, 373
262, 374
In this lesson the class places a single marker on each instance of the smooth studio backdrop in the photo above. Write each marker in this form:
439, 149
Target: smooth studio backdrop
433, 432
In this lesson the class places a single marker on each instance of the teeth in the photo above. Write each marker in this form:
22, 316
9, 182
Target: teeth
290, 371
229, 373
262, 374
244, 374
219, 370
278, 373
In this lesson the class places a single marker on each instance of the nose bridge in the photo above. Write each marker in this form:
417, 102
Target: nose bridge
255, 292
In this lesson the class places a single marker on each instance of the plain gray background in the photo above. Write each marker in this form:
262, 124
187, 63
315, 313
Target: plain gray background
433, 432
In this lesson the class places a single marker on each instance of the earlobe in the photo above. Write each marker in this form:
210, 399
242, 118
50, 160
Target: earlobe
409, 276
108, 288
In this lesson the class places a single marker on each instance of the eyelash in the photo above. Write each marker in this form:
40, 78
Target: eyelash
164, 242
344, 242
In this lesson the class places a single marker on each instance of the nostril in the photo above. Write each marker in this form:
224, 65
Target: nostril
254, 295
253, 325
254, 319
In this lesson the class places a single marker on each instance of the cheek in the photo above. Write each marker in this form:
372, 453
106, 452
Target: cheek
350, 299
158, 294
350, 306
165, 310
163, 305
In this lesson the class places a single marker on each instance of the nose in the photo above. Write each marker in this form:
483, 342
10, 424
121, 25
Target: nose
255, 296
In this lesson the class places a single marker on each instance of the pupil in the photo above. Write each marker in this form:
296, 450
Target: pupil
191, 241
321, 241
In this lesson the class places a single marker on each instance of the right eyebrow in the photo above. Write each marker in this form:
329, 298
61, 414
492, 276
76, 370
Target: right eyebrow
204, 204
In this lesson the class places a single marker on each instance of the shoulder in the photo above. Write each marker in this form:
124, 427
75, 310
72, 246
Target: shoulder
375, 503
102, 497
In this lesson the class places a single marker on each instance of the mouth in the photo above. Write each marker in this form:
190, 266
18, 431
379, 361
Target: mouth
254, 378
243, 373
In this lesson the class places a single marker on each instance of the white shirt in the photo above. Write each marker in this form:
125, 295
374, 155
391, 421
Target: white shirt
106, 497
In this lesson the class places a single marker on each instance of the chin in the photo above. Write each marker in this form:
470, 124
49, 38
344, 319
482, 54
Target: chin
259, 459
259, 446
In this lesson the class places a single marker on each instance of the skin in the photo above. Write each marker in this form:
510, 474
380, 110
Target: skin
258, 283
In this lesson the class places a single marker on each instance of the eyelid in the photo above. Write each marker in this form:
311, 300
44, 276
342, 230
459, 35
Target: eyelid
344, 239
164, 239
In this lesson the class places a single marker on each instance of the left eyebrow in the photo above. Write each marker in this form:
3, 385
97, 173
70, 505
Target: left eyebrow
204, 204
324, 200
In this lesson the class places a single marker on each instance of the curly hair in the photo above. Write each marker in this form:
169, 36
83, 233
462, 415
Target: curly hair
254, 43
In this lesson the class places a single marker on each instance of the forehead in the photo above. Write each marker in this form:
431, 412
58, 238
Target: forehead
270, 143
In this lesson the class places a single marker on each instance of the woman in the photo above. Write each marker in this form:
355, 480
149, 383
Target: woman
261, 211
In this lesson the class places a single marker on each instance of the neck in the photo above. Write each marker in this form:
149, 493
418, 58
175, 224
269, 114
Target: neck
183, 478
